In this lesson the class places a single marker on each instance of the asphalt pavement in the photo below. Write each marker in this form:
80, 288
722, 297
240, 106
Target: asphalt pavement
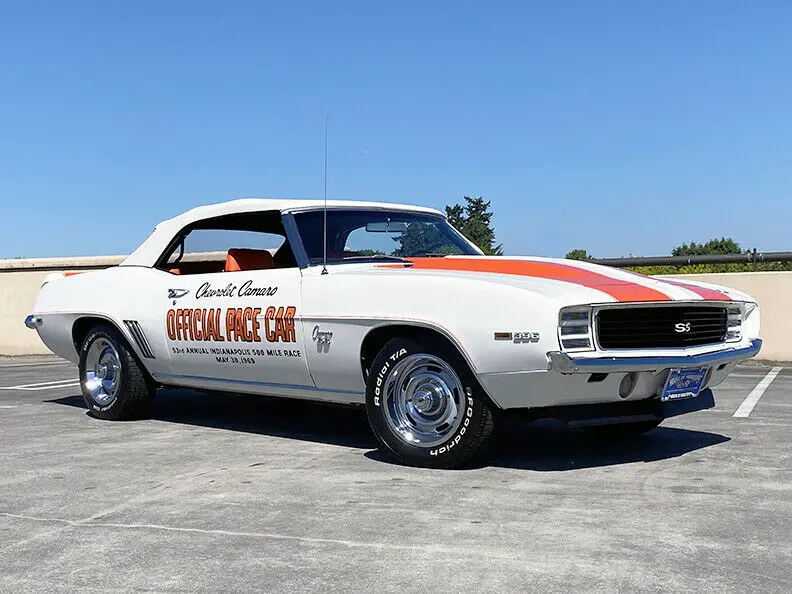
241, 493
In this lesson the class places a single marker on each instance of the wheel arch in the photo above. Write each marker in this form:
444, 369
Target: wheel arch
83, 325
378, 336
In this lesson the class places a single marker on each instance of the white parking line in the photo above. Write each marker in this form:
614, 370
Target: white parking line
64, 383
41, 364
750, 401
69, 385
49, 383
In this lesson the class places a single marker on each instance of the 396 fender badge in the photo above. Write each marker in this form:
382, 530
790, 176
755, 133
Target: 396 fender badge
518, 337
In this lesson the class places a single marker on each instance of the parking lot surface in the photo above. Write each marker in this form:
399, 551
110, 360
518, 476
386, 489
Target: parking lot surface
233, 492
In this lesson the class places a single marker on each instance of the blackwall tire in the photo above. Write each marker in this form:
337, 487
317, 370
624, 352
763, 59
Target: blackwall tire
425, 406
114, 387
621, 430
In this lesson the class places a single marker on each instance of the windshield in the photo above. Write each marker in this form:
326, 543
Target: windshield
354, 235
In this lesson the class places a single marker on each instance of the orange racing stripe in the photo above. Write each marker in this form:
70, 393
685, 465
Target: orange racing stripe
703, 292
620, 290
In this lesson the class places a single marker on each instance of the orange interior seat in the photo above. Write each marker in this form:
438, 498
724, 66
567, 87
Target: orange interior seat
246, 259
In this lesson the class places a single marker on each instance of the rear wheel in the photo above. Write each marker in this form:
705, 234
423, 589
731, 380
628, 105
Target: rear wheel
425, 406
621, 430
114, 386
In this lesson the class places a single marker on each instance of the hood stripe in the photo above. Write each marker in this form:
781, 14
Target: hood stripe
703, 292
620, 290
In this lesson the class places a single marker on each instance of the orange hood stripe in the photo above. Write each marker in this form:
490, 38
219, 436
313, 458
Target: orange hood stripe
620, 290
703, 292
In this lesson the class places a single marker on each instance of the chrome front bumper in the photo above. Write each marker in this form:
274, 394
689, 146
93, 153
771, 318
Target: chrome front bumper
563, 363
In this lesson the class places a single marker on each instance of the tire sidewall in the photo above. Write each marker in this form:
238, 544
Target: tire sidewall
108, 334
450, 450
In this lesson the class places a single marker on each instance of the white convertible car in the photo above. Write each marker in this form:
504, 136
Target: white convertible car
396, 311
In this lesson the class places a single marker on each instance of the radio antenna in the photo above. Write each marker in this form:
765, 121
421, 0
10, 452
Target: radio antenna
324, 224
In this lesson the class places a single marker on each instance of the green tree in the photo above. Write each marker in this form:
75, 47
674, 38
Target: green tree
578, 255
724, 245
421, 239
474, 221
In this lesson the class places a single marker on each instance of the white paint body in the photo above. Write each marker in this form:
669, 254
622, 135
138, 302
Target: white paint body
349, 302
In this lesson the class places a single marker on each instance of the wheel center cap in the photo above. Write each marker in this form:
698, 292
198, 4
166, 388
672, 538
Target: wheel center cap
422, 401
101, 371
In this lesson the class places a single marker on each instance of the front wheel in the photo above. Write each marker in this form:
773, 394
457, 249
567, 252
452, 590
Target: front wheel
114, 386
425, 407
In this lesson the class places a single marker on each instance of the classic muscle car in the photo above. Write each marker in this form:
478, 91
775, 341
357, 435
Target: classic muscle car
389, 307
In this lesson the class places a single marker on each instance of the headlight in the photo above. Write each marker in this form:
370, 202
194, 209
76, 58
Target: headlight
737, 313
574, 328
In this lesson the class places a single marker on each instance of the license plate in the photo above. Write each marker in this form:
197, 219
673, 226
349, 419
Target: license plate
683, 383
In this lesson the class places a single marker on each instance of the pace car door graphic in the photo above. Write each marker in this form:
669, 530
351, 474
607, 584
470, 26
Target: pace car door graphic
237, 326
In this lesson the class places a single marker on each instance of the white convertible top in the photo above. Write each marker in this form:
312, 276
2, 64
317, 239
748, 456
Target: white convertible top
152, 248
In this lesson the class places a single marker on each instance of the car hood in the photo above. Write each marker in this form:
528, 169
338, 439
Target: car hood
569, 280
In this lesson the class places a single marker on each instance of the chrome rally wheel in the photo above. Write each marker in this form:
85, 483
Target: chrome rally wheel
102, 371
114, 385
425, 406
424, 400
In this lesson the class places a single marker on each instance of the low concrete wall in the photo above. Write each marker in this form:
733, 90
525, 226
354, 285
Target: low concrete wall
773, 291
20, 281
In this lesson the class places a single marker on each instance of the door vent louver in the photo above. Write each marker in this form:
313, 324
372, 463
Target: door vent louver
140, 339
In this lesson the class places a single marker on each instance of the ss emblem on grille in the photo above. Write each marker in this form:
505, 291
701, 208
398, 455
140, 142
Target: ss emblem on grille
682, 327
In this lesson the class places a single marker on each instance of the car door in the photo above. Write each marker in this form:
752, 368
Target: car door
237, 327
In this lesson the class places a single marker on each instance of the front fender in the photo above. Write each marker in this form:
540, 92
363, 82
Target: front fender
467, 311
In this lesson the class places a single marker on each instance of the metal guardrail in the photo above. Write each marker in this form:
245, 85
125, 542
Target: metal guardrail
752, 257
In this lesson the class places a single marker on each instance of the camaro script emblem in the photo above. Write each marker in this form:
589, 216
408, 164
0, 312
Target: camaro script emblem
682, 327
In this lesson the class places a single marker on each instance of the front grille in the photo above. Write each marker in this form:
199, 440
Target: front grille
660, 326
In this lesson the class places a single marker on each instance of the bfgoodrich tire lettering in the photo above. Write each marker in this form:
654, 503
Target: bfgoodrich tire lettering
114, 387
425, 406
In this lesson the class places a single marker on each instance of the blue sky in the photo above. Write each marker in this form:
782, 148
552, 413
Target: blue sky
617, 127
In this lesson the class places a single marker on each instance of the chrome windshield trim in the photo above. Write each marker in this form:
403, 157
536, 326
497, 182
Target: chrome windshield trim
563, 363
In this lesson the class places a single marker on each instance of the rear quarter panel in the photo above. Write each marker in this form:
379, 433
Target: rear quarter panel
115, 295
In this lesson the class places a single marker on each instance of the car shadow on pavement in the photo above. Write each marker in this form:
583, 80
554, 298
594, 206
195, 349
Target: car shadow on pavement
280, 417
549, 445
545, 445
